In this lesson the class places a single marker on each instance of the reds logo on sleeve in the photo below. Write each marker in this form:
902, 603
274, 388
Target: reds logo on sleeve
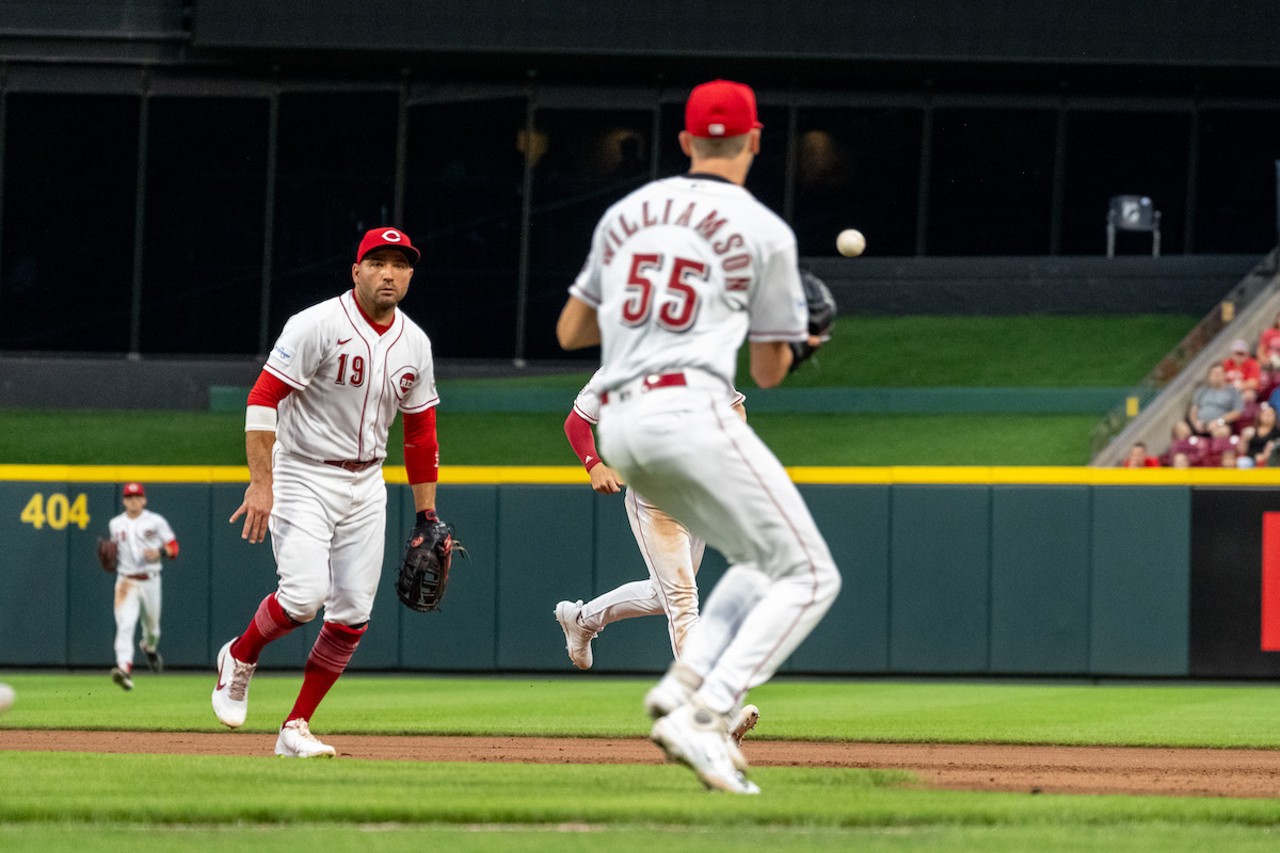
403, 381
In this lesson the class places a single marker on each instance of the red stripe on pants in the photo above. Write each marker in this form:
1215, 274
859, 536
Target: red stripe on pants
1271, 581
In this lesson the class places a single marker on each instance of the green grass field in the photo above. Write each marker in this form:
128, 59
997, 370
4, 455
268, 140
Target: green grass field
866, 352
89, 802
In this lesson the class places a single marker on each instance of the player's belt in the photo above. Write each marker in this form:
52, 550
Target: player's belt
352, 464
141, 576
653, 380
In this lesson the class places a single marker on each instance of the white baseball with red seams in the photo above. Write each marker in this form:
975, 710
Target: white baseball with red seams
680, 272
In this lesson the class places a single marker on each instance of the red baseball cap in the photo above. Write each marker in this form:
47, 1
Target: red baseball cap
387, 237
721, 108
131, 489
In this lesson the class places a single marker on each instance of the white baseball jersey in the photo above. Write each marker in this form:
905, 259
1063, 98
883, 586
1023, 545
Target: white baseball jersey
133, 536
680, 271
354, 379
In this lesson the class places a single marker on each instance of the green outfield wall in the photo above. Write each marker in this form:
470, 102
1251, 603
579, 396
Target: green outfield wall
983, 571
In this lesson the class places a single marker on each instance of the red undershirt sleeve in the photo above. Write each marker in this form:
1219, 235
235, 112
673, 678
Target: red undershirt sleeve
268, 391
421, 447
581, 440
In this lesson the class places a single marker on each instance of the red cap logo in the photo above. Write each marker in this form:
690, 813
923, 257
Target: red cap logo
131, 489
719, 109
389, 238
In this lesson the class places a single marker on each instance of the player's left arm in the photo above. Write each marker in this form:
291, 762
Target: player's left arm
577, 326
422, 457
170, 547
770, 362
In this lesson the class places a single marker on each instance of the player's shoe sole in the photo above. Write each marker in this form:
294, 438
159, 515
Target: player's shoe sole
744, 722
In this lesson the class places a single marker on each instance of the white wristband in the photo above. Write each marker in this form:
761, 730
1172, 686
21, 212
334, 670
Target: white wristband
260, 418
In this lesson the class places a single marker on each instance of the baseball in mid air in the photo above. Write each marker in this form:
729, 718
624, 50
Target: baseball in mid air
6, 697
851, 243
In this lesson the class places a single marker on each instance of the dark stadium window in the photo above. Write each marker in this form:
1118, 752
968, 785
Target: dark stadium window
463, 197
857, 168
1123, 153
588, 160
330, 188
202, 265
991, 182
767, 179
1236, 192
70, 182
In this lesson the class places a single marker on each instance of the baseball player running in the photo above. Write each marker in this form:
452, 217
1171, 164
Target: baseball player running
142, 537
315, 437
672, 554
679, 272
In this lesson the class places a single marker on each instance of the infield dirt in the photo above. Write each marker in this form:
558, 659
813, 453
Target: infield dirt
987, 767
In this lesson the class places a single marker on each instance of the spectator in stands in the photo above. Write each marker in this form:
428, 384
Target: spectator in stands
1248, 411
1269, 341
1221, 442
1231, 460
1190, 447
1241, 368
1261, 439
1138, 457
1214, 401
1180, 460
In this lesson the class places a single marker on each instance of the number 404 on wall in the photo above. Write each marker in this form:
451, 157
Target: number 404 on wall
57, 511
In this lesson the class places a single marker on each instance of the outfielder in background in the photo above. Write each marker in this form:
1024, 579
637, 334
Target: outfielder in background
315, 437
672, 554
679, 273
142, 538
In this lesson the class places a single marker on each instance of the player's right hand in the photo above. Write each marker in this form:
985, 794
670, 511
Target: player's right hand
256, 510
605, 480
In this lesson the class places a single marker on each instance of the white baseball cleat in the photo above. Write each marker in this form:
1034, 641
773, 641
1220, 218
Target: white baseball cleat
698, 739
577, 639
744, 722
231, 692
297, 741
119, 676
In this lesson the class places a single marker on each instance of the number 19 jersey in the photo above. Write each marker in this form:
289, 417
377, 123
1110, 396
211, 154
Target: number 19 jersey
681, 271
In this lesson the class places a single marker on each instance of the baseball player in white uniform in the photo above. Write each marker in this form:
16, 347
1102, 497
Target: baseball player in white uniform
672, 554
315, 436
142, 538
679, 273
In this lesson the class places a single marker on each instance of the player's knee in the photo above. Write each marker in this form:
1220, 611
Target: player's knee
300, 603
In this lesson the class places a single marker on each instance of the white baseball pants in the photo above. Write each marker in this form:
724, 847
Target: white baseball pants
691, 454
327, 532
673, 556
136, 599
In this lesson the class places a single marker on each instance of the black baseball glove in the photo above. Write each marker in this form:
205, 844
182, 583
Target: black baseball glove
822, 313
424, 574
